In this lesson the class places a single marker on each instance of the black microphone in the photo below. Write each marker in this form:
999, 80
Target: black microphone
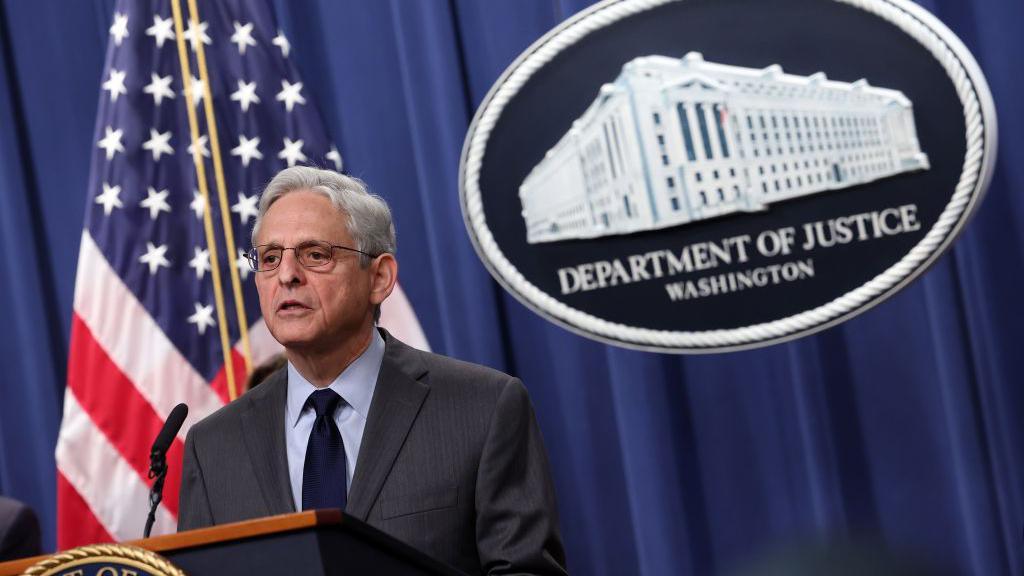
158, 460
169, 431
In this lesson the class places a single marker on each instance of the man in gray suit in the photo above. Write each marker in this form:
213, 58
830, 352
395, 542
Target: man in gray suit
441, 454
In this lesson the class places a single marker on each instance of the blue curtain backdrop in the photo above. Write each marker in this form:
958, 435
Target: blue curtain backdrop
906, 423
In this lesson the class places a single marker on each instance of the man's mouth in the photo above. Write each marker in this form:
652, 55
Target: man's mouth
291, 305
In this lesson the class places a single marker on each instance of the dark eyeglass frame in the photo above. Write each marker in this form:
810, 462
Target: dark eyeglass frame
253, 255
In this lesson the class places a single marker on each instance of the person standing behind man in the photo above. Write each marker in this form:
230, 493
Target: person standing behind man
441, 454
19, 530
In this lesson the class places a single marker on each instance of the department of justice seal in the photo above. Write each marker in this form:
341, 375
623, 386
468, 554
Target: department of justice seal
703, 176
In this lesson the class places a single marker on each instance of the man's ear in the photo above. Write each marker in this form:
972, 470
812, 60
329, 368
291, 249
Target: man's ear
384, 271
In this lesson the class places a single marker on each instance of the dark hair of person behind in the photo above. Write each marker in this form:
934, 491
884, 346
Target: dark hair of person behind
261, 372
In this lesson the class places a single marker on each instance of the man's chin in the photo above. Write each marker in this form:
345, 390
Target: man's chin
293, 339
306, 342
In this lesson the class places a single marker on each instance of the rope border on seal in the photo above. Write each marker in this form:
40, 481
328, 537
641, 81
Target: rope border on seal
99, 552
979, 117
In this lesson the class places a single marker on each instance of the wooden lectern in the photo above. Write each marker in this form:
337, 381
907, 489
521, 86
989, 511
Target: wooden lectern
315, 542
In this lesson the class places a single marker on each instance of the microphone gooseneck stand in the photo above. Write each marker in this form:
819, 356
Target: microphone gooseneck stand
158, 470
158, 461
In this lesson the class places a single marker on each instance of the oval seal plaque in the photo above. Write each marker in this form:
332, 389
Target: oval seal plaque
703, 176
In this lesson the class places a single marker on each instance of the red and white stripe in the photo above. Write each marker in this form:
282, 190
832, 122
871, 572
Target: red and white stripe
124, 377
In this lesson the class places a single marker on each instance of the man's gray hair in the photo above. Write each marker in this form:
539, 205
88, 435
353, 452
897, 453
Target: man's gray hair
369, 218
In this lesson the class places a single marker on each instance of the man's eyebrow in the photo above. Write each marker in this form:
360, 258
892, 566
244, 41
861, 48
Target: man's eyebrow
303, 242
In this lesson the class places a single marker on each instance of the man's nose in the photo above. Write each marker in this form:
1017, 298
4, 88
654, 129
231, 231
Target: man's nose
290, 271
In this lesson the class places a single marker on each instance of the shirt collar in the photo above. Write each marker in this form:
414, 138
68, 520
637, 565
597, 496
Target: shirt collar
355, 384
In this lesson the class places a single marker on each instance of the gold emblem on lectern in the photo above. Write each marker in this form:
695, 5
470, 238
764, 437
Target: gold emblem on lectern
105, 560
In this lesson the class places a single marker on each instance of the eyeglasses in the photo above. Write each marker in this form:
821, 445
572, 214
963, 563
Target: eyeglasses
310, 254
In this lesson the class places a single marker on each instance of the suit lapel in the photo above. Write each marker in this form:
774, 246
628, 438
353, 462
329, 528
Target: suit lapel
263, 430
396, 402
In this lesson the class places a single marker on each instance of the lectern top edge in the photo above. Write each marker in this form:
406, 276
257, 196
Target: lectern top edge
236, 530
212, 535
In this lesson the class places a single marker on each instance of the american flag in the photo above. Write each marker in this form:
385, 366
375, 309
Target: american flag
162, 285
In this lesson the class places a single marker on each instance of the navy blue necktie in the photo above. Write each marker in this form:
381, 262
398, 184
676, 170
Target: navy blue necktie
324, 476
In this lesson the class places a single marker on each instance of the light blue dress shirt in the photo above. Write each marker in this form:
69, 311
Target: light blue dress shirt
355, 386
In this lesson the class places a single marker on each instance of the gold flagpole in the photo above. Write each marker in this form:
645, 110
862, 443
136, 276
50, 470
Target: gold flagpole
225, 213
197, 159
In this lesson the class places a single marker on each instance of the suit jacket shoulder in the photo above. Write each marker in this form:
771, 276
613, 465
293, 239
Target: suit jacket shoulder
471, 385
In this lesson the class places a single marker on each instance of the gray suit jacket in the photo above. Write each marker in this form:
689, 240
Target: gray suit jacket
451, 462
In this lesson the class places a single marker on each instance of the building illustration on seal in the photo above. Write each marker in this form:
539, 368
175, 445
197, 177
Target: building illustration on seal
673, 141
